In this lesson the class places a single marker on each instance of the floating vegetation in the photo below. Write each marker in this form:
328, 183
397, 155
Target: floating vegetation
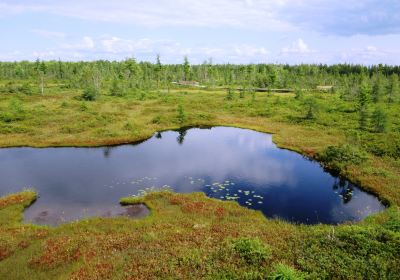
224, 190
227, 190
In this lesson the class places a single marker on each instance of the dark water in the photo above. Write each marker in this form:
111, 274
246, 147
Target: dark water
225, 163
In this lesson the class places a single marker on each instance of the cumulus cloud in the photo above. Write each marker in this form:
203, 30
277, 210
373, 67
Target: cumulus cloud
117, 48
236, 31
210, 13
86, 43
297, 47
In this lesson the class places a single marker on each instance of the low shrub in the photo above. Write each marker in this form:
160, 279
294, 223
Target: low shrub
285, 272
15, 112
90, 94
157, 119
339, 157
251, 250
116, 89
181, 115
25, 89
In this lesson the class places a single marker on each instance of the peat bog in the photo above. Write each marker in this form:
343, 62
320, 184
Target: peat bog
223, 162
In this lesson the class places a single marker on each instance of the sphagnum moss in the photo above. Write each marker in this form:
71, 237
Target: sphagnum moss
191, 236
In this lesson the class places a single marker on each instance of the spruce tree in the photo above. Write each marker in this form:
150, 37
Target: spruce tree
363, 99
393, 88
377, 90
186, 69
379, 120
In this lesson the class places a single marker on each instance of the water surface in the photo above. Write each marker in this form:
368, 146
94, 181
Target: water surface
225, 163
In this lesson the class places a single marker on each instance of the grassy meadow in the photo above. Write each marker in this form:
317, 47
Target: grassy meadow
190, 236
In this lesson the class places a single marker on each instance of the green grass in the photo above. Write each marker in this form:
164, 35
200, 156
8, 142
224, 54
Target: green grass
191, 236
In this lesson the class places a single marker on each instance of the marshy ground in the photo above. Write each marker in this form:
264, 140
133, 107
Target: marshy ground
190, 236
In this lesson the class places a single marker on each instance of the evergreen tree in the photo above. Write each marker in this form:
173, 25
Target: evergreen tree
363, 99
393, 88
186, 69
377, 90
43, 67
229, 94
132, 72
311, 107
298, 94
60, 70
158, 70
90, 94
37, 65
115, 88
379, 120
181, 115
363, 118
363, 95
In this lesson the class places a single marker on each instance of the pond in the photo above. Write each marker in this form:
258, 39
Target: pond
224, 163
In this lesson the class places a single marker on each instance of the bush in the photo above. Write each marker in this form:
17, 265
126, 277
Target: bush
388, 146
15, 112
284, 272
10, 87
115, 89
339, 157
25, 89
142, 95
157, 119
311, 107
253, 251
90, 94
352, 252
298, 94
181, 116
380, 120
229, 94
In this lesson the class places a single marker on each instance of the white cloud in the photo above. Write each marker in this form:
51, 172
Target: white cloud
211, 13
330, 17
117, 48
299, 47
86, 43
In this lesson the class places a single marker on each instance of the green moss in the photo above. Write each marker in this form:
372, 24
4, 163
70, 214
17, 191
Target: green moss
192, 236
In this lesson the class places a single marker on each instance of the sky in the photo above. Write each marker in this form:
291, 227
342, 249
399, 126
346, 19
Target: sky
224, 31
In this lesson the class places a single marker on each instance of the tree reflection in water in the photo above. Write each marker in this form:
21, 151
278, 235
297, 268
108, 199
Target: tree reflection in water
181, 136
344, 189
158, 135
107, 151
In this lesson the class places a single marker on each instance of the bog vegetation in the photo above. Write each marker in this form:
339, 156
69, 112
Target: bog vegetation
346, 116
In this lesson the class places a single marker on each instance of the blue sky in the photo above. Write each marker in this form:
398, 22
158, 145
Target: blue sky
234, 31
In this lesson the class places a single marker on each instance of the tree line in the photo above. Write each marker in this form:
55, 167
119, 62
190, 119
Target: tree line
132, 74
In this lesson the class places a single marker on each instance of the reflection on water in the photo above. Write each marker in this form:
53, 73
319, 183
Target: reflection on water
225, 163
181, 136
53, 214
344, 189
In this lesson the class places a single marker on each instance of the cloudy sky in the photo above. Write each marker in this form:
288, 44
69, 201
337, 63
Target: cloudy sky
235, 31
